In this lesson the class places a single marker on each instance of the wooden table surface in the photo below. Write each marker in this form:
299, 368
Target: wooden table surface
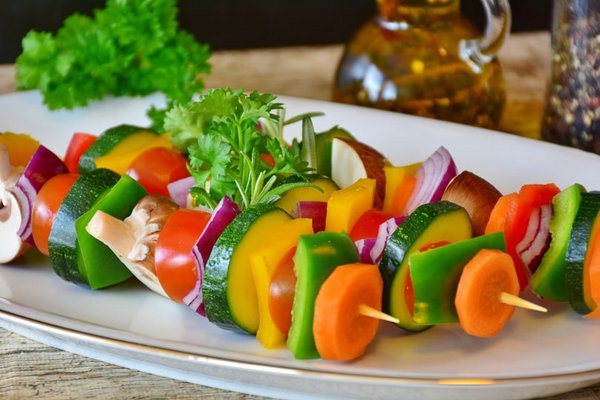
31, 369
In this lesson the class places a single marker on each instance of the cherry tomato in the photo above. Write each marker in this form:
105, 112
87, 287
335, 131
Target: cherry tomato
175, 266
155, 168
367, 225
45, 207
78, 145
281, 292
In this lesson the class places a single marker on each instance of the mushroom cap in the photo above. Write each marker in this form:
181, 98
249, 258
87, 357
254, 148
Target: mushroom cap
10, 221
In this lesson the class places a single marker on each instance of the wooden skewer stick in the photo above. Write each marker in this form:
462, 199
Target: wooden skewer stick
512, 300
368, 311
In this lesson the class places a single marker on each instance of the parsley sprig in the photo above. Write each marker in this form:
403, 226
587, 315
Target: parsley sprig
231, 153
129, 48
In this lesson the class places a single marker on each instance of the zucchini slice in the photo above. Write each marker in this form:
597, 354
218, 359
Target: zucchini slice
62, 242
430, 223
108, 142
228, 288
575, 276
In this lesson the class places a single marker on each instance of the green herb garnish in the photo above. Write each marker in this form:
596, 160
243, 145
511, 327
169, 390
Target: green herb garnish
129, 48
230, 151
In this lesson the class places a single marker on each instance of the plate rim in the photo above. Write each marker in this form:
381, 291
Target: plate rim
65, 332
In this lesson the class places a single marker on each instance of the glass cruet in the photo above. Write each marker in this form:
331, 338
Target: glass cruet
423, 57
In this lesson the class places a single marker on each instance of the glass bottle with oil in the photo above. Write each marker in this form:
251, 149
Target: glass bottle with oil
423, 57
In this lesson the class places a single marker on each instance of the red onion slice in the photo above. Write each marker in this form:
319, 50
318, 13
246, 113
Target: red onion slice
385, 231
42, 166
315, 210
179, 190
364, 247
224, 213
433, 176
533, 227
532, 255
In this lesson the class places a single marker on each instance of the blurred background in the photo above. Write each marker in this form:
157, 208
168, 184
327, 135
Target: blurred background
238, 24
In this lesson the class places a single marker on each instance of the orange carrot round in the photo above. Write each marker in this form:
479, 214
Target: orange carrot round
498, 214
340, 331
480, 311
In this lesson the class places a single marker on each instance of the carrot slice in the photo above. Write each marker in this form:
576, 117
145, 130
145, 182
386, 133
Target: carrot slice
498, 214
480, 311
340, 331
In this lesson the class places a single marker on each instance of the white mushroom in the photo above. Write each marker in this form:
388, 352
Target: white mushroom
11, 245
134, 240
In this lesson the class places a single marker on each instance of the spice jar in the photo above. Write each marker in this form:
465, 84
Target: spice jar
572, 113
423, 57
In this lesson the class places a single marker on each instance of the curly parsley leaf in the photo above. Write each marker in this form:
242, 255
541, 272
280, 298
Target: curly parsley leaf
228, 151
129, 48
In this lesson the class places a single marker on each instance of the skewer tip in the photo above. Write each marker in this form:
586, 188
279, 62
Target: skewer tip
516, 301
368, 311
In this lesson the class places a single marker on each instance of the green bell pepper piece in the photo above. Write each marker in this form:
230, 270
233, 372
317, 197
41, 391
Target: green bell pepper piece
548, 280
99, 266
435, 274
323, 144
316, 257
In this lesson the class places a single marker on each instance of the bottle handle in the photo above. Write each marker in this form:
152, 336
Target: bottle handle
478, 52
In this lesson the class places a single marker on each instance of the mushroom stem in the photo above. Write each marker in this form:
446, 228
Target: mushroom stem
107, 228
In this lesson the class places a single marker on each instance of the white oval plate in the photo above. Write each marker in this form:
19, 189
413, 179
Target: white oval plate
535, 355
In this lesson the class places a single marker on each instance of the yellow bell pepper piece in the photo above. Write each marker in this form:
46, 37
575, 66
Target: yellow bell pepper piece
123, 154
20, 147
395, 179
264, 262
345, 206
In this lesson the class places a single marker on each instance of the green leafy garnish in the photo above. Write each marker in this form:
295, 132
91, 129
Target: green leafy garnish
129, 48
229, 153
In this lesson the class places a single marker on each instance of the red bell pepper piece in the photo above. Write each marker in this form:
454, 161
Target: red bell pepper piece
530, 197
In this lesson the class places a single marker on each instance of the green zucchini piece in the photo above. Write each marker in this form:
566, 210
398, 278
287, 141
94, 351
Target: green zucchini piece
97, 263
548, 281
227, 288
429, 223
575, 275
435, 274
107, 141
323, 142
62, 242
316, 257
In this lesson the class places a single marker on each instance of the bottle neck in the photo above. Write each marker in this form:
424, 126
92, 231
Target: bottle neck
417, 12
